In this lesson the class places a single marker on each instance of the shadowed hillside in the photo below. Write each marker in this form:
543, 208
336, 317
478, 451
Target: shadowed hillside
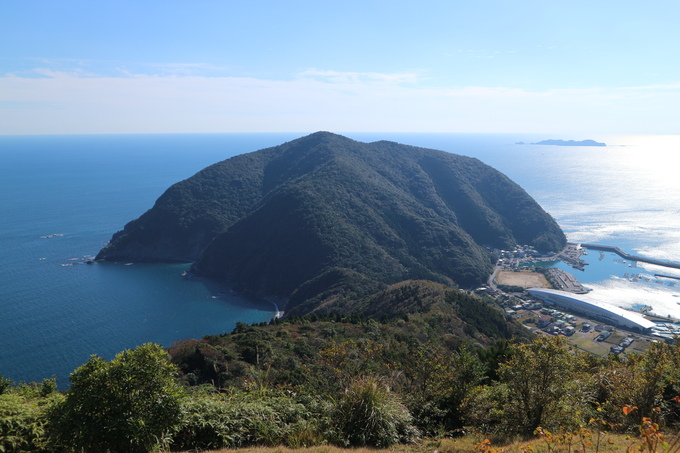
279, 220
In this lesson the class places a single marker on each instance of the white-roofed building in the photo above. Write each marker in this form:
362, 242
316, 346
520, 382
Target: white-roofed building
593, 308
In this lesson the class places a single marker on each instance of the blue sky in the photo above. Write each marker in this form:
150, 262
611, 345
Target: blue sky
582, 67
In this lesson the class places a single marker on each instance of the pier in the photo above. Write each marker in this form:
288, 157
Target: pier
566, 282
572, 256
624, 255
666, 276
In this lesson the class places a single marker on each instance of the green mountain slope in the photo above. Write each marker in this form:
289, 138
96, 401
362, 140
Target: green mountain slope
388, 328
277, 219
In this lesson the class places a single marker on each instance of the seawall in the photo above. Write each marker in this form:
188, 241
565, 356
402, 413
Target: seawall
621, 253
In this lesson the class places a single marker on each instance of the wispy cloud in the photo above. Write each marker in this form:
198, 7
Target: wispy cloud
480, 53
85, 102
54, 67
359, 77
74, 73
180, 69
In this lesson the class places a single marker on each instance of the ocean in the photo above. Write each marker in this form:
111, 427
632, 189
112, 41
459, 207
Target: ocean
62, 197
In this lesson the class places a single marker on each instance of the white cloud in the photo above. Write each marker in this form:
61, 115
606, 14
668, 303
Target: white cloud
82, 102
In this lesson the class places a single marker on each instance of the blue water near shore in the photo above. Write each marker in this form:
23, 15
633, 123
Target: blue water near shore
84, 188
53, 317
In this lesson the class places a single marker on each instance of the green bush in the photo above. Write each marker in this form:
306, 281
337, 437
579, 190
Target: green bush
4, 384
544, 383
214, 421
131, 404
369, 414
23, 421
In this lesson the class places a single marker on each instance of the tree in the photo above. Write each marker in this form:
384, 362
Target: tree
131, 404
536, 376
499, 352
438, 383
645, 381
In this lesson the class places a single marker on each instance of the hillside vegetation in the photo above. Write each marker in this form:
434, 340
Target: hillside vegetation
352, 381
326, 213
382, 331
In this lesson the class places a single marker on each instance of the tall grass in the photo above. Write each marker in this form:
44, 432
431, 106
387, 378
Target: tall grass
369, 414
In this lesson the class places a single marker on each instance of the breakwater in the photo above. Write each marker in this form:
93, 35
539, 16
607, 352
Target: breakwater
624, 255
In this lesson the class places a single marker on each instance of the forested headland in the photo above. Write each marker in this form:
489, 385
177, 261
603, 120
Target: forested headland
324, 215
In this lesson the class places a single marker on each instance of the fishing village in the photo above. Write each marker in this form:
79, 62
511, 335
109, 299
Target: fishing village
551, 301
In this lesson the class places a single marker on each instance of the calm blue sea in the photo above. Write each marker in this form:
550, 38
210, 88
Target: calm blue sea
55, 311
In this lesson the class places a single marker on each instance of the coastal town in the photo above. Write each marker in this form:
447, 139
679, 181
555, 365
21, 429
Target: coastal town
550, 301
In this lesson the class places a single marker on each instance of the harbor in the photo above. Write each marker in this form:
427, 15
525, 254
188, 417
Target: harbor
523, 268
599, 326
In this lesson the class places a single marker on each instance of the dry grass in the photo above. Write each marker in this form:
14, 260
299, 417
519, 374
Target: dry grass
639, 346
609, 443
589, 345
416, 448
615, 338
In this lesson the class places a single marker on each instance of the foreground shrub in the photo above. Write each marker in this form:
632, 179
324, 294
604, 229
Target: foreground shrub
214, 421
439, 382
23, 420
542, 384
647, 381
131, 404
368, 413
4, 384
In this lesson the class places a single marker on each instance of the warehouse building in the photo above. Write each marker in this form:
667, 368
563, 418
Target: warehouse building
593, 308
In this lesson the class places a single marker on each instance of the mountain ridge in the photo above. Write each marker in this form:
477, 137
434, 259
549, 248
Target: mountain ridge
274, 219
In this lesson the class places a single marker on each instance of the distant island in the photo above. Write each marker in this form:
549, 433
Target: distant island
570, 143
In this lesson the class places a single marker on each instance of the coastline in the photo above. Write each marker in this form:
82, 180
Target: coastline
227, 290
